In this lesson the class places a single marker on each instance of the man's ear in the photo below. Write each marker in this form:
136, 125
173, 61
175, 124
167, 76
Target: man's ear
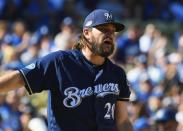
86, 33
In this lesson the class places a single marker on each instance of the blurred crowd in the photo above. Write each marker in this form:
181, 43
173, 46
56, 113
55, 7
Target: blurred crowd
155, 74
51, 12
152, 59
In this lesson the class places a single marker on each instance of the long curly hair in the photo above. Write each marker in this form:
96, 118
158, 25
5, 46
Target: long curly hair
80, 43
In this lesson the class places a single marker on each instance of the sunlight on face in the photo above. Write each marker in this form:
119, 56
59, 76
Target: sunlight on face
102, 39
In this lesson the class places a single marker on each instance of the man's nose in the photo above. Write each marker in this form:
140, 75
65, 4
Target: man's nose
109, 32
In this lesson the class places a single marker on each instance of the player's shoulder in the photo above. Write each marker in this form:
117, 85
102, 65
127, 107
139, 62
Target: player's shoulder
61, 55
116, 68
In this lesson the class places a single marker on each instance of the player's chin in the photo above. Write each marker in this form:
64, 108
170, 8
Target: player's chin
107, 47
107, 52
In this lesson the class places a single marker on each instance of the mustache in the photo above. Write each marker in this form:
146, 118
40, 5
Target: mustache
108, 38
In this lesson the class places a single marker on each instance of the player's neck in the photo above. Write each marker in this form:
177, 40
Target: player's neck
94, 59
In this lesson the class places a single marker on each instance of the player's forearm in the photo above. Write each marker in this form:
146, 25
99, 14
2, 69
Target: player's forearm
10, 81
125, 126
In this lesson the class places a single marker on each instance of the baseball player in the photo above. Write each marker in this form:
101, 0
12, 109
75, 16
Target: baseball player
86, 91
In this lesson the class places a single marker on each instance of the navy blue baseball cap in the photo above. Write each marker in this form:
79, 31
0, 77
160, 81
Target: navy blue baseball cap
101, 17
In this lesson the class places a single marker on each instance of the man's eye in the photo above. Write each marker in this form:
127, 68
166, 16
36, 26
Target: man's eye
102, 29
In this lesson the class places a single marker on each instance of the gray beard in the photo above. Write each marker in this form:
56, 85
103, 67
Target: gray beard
98, 50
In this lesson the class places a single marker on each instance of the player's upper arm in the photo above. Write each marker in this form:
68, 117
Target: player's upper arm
121, 116
121, 111
11, 80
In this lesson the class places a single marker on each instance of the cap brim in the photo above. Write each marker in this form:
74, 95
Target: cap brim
119, 27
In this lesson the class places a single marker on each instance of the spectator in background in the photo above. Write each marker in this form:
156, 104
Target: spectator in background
158, 48
3, 33
39, 44
3, 29
30, 119
141, 124
165, 119
37, 123
172, 74
46, 44
127, 47
147, 39
11, 59
19, 37
139, 71
12, 121
4, 112
176, 36
18, 30
179, 117
139, 116
180, 45
144, 90
30, 55
67, 31
153, 104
